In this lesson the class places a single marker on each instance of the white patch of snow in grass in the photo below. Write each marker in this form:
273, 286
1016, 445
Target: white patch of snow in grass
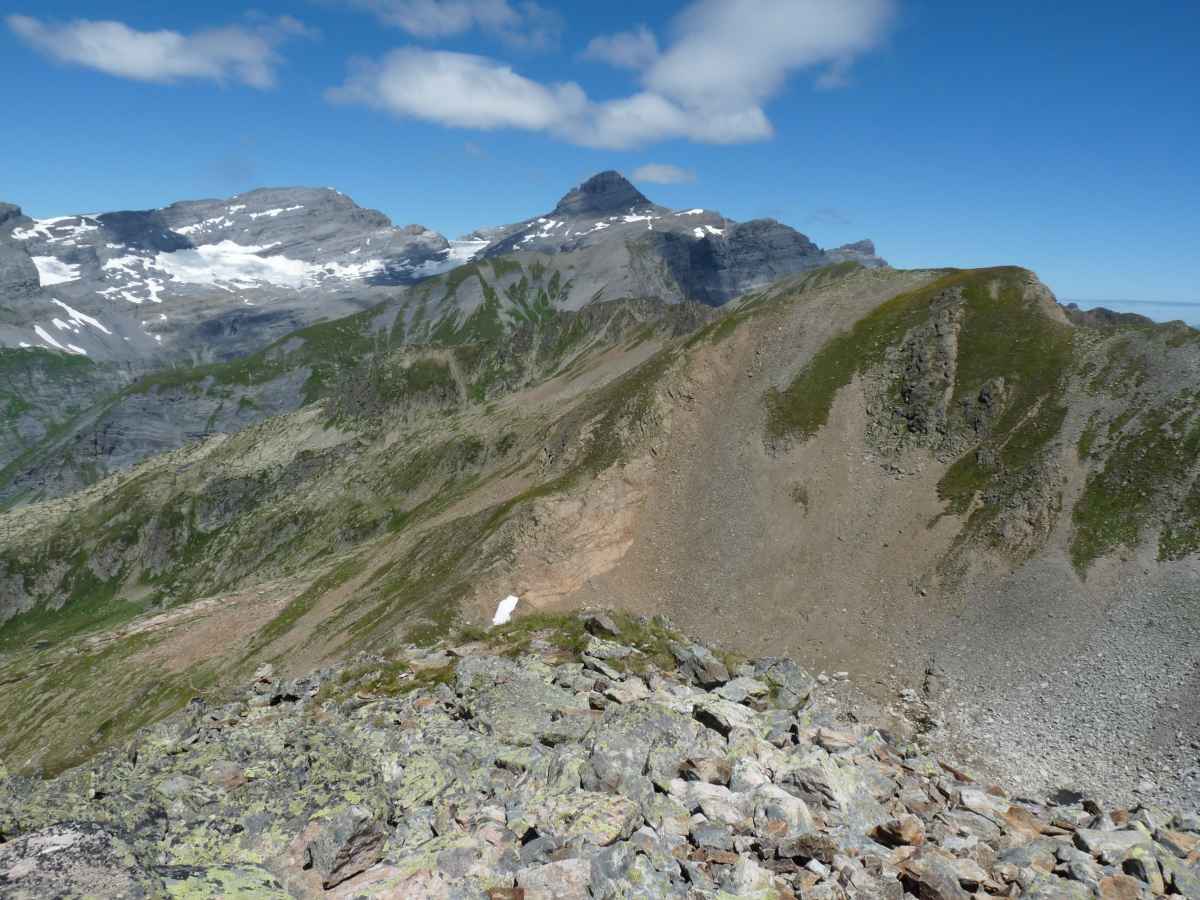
505, 610
54, 271
25, 346
79, 319
716, 231
75, 349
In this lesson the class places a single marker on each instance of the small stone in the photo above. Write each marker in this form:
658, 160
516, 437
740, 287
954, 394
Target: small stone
908, 829
600, 624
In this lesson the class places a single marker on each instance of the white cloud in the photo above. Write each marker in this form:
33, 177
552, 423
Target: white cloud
466, 91
526, 24
233, 53
734, 53
662, 173
726, 60
635, 49
459, 89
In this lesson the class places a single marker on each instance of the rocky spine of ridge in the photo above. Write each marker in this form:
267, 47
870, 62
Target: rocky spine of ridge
596, 757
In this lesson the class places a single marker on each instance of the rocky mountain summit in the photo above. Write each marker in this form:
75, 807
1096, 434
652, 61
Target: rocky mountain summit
705, 256
601, 756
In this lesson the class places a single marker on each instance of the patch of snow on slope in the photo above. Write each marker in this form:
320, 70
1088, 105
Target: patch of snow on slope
54, 271
79, 319
272, 213
227, 263
505, 610
691, 212
207, 224
59, 230
711, 230
45, 336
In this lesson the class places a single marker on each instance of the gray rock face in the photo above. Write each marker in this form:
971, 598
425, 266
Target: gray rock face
605, 193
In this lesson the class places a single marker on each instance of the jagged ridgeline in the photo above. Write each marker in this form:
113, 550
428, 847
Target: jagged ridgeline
399, 469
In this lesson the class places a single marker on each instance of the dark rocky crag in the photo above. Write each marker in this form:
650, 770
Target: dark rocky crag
597, 757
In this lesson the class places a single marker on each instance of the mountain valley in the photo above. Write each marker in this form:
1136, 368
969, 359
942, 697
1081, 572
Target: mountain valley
277, 431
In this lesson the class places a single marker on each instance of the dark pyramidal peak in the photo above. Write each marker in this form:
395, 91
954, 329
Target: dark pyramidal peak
607, 192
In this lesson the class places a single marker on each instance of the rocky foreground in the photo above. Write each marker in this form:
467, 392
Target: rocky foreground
594, 757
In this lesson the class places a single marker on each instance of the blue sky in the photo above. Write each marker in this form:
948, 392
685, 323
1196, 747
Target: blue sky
1062, 137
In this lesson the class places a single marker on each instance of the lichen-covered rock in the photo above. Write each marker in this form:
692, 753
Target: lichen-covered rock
220, 882
341, 842
73, 859
498, 780
700, 664
567, 879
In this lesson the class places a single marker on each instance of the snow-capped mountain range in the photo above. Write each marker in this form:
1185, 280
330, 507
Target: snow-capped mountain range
207, 280
203, 279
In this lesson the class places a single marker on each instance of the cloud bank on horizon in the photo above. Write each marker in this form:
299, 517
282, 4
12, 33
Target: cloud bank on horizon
698, 85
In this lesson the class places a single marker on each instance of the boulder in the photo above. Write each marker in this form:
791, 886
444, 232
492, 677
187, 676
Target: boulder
567, 879
699, 664
73, 859
343, 842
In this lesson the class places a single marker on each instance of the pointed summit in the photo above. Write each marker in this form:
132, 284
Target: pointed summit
608, 192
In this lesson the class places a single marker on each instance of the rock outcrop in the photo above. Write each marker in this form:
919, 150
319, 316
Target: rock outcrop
599, 757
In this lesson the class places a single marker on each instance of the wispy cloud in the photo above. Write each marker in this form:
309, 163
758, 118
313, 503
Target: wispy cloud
635, 49
663, 173
725, 61
236, 53
525, 24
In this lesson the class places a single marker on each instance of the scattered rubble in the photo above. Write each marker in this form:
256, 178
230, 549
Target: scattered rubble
597, 757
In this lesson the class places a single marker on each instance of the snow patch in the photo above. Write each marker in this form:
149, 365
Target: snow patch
206, 225
272, 213
79, 319
691, 212
54, 271
227, 263
59, 230
505, 610
46, 337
